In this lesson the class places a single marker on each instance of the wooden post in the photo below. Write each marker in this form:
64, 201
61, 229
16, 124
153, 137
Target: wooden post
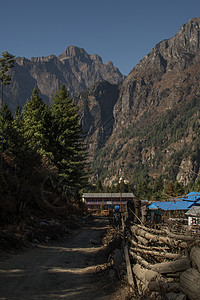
120, 195
137, 210
128, 267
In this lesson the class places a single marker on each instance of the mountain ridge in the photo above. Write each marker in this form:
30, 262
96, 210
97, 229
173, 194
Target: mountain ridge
140, 127
156, 116
74, 67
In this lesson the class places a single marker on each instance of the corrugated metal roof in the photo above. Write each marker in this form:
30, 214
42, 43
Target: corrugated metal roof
192, 196
108, 195
170, 205
193, 211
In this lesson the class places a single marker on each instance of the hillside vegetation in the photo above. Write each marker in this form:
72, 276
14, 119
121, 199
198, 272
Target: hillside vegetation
43, 157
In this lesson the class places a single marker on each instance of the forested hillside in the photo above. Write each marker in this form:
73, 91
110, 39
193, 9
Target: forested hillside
43, 156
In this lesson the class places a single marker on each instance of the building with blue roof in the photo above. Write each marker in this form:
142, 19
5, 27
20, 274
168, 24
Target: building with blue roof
170, 205
174, 207
192, 197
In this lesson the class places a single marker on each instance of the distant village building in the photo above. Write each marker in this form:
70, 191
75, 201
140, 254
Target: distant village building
193, 215
175, 207
193, 197
95, 200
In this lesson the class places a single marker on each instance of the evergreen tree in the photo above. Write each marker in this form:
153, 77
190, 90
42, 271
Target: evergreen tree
99, 186
25, 157
143, 190
6, 122
35, 130
169, 190
66, 139
6, 62
178, 189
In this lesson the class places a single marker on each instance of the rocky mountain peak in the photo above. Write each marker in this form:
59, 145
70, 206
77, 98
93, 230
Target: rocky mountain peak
74, 67
176, 52
43, 58
72, 51
190, 34
21, 60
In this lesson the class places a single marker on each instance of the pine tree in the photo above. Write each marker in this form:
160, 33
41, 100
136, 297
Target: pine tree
6, 62
6, 122
35, 129
25, 158
66, 139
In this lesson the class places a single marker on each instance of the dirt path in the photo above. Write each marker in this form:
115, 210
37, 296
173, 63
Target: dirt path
64, 271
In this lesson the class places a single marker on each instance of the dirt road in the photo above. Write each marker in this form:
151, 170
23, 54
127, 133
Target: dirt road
57, 271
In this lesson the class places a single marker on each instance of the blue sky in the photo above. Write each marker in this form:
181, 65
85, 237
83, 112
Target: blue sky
122, 31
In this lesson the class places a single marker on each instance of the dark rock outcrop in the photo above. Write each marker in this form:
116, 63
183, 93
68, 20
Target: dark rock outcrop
96, 112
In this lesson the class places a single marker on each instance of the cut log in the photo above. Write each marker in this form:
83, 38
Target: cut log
156, 231
172, 266
183, 245
142, 288
150, 280
175, 296
155, 234
149, 236
190, 284
156, 253
165, 240
142, 240
158, 286
140, 260
140, 232
148, 247
173, 275
145, 275
195, 256
179, 237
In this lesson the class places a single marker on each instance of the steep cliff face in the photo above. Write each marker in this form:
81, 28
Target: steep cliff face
77, 69
157, 114
96, 112
157, 80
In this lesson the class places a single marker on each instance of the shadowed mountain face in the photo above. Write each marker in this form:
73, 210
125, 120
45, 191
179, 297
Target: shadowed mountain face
156, 117
96, 111
77, 69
